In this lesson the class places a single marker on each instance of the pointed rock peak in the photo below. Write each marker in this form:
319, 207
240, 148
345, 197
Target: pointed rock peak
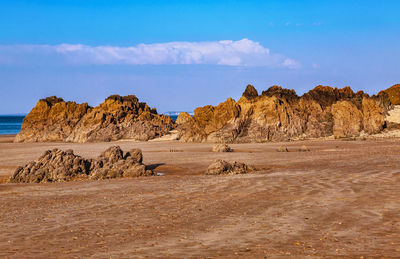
250, 92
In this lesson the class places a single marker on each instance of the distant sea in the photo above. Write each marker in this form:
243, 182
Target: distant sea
10, 124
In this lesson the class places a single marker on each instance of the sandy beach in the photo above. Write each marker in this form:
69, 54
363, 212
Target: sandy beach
339, 199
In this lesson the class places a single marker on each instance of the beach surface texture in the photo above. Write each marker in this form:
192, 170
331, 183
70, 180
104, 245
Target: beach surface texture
339, 198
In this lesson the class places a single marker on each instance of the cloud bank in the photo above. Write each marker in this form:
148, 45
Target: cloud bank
227, 52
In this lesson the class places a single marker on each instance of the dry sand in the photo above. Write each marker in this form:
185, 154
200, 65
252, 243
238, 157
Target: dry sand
341, 199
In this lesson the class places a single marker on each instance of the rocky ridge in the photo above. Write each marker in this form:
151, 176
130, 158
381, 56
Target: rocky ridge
61, 166
118, 117
279, 114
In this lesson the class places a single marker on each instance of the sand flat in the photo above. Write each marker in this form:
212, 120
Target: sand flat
339, 199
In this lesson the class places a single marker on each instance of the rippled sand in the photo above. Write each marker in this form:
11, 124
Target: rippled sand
340, 199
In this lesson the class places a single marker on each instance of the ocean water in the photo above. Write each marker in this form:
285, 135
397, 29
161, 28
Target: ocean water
174, 117
10, 124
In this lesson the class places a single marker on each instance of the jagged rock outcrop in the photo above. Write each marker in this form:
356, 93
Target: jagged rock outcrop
52, 119
113, 163
121, 118
208, 120
279, 114
61, 166
118, 117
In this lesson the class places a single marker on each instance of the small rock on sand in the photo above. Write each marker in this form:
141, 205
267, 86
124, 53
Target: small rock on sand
304, 149
282, 149
223, 167
222, 148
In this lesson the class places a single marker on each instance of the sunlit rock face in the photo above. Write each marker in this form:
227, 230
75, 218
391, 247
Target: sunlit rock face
118, 117
279, 114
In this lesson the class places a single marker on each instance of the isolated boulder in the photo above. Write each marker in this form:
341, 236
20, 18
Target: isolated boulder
222, 148
223, 167
282, 149
303, 148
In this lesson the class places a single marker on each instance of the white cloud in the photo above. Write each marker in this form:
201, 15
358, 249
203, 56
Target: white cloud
229, 53
291, 63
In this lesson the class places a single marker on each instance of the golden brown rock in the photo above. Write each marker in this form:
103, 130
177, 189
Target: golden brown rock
52, 119
393, 94
279, 114
222, 148
282, 149
183, 118
118, 117
209, 119
347, 119
373, 116
219, 167
250, 92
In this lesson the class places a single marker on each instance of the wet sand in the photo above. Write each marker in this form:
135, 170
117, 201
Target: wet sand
340, 199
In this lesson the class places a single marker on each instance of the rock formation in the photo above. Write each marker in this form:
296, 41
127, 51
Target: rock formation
52, 119
279, 114
303, 149
282, 149
117, 117
223, 167
61, 166
393, 94
222, 148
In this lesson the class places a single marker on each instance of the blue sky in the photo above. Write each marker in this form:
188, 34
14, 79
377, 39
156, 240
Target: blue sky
177, 55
